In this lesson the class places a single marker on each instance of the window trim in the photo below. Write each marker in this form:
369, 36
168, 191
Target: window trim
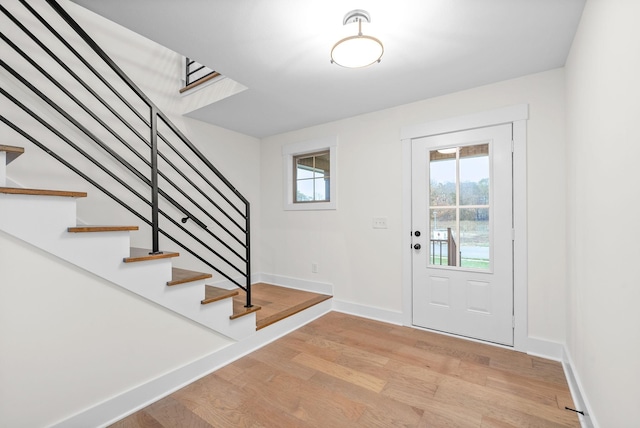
290, 151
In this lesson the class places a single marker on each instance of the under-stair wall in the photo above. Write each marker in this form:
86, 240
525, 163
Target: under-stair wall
70, 339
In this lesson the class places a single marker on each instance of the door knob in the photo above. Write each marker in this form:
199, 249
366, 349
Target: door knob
417, 246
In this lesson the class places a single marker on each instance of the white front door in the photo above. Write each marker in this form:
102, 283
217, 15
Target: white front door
462, 233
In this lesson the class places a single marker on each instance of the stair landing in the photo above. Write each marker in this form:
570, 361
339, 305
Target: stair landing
277, 303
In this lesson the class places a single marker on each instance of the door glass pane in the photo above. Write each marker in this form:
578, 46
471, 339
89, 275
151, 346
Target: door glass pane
442, 178
474, 175
459, 206
474, 238
443, 231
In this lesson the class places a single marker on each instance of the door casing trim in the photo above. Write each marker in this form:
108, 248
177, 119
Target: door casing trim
518, 116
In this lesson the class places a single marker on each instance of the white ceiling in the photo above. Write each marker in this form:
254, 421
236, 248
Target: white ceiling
280, 49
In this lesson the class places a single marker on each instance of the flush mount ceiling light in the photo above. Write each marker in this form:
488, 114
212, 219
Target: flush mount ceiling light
359, 50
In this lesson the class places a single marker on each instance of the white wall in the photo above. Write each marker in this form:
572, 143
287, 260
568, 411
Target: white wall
603, 148
364, 264
70, 340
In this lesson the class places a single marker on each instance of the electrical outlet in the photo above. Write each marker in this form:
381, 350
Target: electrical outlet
379, 222
314, 267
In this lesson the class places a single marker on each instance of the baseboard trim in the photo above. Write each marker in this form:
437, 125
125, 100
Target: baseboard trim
297, 283
545, 349
116, 408
587, 420
378, 314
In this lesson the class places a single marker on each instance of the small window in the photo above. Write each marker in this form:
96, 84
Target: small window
312, 178
310, 172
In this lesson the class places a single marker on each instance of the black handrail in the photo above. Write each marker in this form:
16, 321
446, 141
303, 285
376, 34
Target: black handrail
225, 248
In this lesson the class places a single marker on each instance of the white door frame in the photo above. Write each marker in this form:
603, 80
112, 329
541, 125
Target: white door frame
517, 115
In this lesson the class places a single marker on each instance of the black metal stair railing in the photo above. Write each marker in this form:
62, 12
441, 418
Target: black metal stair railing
194, 72
187, 199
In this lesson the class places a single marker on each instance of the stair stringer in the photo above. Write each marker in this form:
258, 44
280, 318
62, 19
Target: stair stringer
43, 221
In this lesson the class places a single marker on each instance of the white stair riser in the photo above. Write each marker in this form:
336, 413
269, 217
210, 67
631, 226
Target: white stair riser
3, 169
239, 328
37, 219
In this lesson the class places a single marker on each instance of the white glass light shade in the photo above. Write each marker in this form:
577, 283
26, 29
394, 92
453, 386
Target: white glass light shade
357, 51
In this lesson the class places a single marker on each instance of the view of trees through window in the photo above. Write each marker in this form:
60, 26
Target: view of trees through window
459, 199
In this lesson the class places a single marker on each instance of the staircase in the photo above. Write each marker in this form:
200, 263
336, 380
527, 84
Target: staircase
65, 96
182, 224
106, 251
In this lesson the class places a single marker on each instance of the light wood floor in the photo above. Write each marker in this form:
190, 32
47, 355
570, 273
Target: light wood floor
344, 371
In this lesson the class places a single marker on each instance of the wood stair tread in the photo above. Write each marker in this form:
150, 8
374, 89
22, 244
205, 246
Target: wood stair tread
199, 82
88, 229
214, 294
181, 276
142, 254
265, 322
12, 152
239, 310
42, 192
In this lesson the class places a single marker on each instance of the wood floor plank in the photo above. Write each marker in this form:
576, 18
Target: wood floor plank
170, 412
423, 374
423, 358
358, 378
489, 422
349, 352
409, 390
458, 353
502, 405
343, 371
281, 358
379, 408
301, 342
380, 419
317, 405
439, 414
138, 419
531, 392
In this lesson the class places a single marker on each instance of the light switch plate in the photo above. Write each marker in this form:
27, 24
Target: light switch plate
379, 222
